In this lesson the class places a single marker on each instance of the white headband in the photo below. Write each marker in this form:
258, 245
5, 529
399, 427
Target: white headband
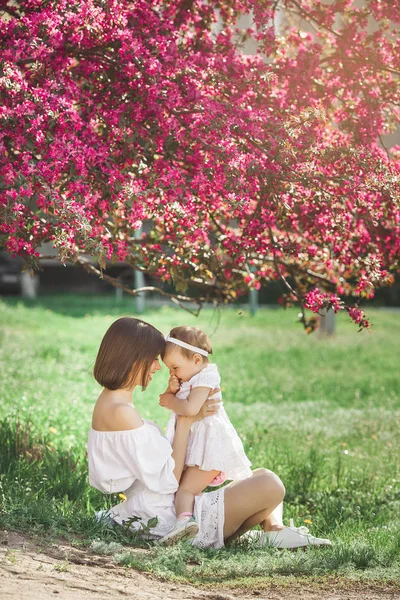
185, 345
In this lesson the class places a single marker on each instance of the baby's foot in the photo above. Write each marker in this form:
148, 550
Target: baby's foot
218, 480
184, 529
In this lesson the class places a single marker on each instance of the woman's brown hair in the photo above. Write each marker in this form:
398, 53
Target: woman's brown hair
127, 351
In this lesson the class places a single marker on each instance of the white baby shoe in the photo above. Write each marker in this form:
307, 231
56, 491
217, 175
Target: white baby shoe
184, 529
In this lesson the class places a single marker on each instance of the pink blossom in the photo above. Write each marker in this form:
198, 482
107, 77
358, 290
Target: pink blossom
120, 113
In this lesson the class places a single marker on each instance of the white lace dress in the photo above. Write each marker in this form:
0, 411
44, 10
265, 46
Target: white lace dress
139, 463
213, 442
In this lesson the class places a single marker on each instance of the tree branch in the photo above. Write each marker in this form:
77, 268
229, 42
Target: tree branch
10, 11
185, 6
177, 299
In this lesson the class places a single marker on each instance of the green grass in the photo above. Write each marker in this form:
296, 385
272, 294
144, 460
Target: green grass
322, 413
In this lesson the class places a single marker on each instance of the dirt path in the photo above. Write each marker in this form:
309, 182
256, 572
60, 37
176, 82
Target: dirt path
31, 572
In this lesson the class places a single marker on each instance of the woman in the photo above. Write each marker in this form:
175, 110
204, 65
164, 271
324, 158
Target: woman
129, 454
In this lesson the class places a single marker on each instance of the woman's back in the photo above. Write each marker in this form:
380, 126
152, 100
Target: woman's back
117, 458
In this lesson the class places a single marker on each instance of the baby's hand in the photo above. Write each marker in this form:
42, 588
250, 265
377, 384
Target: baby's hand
165, 400
173, 384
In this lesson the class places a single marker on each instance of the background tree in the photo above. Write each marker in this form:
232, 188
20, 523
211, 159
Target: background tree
249, 169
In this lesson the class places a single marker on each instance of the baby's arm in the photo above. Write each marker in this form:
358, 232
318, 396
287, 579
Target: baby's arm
189, 407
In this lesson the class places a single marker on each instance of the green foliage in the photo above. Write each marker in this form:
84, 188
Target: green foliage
322, 413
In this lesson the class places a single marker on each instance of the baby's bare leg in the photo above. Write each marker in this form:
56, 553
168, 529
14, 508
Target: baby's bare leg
193, 482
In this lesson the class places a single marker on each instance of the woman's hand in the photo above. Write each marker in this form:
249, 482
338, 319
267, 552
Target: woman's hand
209, 408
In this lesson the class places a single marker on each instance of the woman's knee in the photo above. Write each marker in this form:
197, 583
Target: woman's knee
260, 472
270, 484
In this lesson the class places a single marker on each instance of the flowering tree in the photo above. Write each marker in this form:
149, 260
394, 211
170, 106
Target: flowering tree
245, 169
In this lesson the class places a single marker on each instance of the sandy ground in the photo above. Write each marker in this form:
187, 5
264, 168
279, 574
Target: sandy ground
29, 571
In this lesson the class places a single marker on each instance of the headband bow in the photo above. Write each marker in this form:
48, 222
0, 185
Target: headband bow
185, 345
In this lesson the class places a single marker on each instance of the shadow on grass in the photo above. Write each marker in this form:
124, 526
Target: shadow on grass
45, 491
77, 305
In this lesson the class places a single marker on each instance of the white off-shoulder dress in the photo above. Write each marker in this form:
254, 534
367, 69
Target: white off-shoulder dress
139, 463
214, 444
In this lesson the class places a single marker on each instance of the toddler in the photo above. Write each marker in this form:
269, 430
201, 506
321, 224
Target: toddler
214, 452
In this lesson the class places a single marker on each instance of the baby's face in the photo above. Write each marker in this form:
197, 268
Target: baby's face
184, 368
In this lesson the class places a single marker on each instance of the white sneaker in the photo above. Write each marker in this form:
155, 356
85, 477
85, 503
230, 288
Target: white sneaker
184, 529
289, 537
104, 517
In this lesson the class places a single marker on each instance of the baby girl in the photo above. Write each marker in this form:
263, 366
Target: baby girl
215, 452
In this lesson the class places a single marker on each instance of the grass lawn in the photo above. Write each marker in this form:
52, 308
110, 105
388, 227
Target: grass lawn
322, 413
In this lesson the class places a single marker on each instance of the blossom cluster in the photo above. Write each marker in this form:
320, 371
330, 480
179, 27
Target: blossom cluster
316, 300
116, 114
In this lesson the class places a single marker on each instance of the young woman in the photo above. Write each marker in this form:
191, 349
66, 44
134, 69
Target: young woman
129, 454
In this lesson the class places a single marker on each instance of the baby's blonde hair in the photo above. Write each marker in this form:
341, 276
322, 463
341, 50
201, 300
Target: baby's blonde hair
191, 335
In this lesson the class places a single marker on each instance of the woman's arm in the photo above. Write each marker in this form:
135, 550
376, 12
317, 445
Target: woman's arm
188, 407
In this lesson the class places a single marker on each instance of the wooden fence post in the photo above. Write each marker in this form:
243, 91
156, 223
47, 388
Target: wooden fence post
140, 299
327, 322
29, 285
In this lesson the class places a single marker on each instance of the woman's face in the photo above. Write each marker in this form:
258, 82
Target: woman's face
155, 366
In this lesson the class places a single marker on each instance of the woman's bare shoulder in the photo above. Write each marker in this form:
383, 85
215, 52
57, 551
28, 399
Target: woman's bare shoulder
123, 416
118, 417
